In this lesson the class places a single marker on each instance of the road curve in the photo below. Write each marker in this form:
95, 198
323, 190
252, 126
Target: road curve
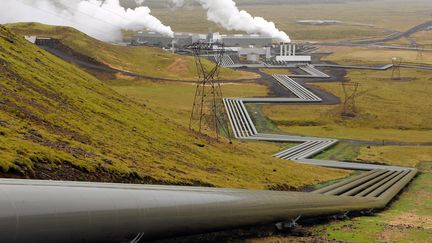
49, 211
396, 36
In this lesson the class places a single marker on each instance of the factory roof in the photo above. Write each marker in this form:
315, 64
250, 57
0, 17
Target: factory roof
246, 36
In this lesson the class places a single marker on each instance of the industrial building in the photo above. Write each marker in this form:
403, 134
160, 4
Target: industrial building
184, 39
249, 48
288, 53
158, 40
42, 41
254, 54
246, 41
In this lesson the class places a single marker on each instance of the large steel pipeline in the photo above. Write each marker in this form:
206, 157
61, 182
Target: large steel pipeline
47, 211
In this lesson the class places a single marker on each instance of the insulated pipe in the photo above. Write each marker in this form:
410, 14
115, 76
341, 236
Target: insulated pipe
37, 211
294, 50
299, 90
300, 148
344, 182
388, 195
362, 187
320, 146
355, 184
294, 149
231, 117
378, 184
387, 185
242, 128
248, 125
327, 145
249, 118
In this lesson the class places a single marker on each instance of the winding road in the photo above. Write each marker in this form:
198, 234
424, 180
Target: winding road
377, 43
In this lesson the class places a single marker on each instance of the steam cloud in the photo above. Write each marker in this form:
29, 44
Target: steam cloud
102, 19
226, 13
178, 3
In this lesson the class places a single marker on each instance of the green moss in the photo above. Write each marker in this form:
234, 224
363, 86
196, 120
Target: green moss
341, 151
344, 231
261, 121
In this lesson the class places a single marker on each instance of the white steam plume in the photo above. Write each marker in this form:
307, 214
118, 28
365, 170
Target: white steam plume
226, 13
178, 3
139, 2
102, 19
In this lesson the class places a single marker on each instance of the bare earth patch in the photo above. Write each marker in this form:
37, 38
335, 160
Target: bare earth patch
124, 77
289, 239
412, 220
180, 65
391, 233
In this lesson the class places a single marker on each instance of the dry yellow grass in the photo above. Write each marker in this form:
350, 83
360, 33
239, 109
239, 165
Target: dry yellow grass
423, 38
345, 55
396, 155
175, 99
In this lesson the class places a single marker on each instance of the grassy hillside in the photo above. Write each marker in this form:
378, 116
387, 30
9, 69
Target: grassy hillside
58, 122
152, 62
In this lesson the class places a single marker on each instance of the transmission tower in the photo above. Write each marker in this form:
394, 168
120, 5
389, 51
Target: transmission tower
350, 94
396, 70
419, 52
208, 113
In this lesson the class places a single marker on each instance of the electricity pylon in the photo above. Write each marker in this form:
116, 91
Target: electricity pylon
208, 112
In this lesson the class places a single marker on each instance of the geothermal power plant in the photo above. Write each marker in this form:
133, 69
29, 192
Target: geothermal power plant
246, 48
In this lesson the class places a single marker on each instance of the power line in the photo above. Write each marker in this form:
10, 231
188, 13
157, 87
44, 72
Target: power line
396, 70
